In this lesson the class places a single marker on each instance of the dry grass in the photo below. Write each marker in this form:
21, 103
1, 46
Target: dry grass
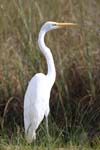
76, 51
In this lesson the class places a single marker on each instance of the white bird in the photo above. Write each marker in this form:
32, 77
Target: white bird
36, 101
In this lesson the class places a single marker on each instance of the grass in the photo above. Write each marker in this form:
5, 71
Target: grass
16, 141
19, 143
75, 97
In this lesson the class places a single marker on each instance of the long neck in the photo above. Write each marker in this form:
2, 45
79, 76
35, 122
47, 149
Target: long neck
49, 58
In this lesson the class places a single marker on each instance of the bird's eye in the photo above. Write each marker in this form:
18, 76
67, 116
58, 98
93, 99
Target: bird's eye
54, 24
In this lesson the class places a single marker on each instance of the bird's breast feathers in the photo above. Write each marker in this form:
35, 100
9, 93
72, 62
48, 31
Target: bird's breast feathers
38, 89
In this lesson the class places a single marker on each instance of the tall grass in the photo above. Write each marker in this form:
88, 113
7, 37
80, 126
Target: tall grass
75, 102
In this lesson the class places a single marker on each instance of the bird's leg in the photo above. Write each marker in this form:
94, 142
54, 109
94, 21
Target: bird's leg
35, 144
48, 136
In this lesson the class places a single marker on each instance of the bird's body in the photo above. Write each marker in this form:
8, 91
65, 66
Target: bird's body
36, 108
36, 101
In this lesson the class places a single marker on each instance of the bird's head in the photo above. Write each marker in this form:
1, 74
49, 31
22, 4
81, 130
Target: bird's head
55, 25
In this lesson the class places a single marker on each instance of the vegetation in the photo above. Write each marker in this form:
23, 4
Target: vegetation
75, 97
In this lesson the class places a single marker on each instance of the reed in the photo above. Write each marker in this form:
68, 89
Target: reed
75, 102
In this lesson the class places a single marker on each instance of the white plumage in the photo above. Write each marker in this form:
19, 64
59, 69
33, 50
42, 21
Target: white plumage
35, 109
36, 101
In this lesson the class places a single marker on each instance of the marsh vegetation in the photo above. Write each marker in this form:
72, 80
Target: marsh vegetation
75, 99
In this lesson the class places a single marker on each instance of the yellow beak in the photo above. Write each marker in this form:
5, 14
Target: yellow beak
66, 24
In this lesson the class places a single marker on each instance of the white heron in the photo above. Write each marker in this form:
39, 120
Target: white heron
36, 101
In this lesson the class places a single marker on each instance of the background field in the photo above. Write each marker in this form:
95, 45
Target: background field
75, 97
